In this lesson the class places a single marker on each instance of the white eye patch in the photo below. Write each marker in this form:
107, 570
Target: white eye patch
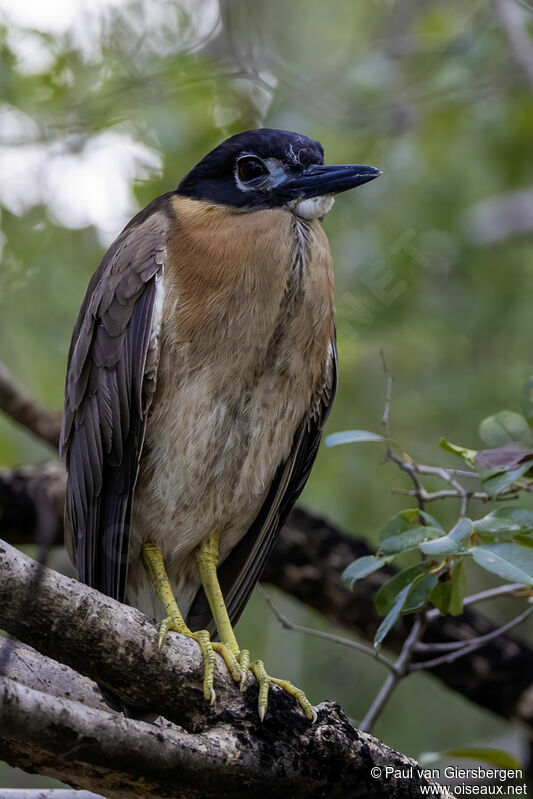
312, 208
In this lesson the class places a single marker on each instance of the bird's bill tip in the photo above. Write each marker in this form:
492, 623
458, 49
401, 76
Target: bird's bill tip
320, 179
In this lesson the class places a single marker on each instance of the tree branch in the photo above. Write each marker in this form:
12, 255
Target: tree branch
469, 646
24, 410
307, 563
221, 751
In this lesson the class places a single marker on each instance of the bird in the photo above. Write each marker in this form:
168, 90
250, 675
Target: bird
200, 375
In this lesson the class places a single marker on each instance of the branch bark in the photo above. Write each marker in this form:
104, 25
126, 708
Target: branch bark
216, 751
307, 563
24, 410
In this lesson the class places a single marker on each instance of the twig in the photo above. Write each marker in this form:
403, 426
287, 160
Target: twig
452, 646
407, 467
413, 468
401, 668
444, 472
336, 639
388, 395
26, 411
474, 644
482, 596
433, 496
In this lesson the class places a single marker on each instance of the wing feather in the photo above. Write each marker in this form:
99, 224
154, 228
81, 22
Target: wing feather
110, 381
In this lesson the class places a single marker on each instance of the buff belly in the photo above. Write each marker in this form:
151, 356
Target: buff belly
220, 454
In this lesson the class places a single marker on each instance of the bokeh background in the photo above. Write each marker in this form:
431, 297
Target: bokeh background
105, 104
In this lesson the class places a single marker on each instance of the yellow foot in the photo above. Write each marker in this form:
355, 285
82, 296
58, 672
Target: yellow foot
208, 651
265, 680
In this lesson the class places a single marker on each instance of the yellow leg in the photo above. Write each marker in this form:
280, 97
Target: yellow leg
155, 566
236, 660
207, 562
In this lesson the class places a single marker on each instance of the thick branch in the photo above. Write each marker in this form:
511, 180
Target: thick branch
307, 563
224, 750
26, 411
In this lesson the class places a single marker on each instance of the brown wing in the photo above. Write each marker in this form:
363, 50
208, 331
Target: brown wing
111, 374
242, 568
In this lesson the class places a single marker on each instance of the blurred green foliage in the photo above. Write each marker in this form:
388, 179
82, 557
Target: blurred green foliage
426, 270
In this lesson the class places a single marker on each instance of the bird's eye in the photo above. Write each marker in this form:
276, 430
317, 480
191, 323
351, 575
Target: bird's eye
250, 168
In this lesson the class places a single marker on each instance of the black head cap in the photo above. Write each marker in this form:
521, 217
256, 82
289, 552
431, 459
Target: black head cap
269, 168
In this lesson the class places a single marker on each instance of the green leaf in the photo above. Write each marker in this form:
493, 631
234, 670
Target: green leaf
510, 561
458, 590
419, 595
501, 481
405, 520
352, 437
468, 455
410, 539
386, 596
527, 400
391, 617
509, 519
449, 544
361, 568
503, 428
496, 757
441, 596
523, 540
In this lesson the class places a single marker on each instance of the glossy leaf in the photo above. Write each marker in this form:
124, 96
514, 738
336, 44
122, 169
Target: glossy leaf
449, 544
506, 519
352, 437
504, 427
524, 540
408, 519
361, 568
410, 539
441, 595
510, 456
391, 617
418, 597
386, 596
501, 481
468, 455
458, 590
510, 561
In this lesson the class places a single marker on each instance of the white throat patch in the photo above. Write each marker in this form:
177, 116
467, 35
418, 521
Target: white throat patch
313, 208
